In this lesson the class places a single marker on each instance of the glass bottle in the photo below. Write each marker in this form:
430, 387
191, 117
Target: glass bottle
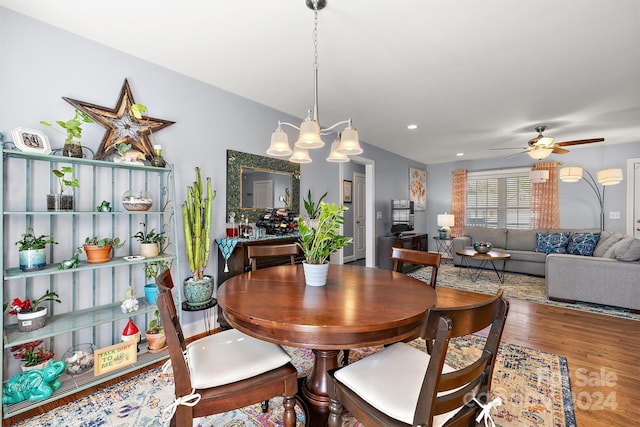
158, 161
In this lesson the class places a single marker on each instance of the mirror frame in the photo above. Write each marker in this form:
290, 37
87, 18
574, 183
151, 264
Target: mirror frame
236, 160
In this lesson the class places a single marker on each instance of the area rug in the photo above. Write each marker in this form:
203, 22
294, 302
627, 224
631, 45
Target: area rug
518, 286
533, 385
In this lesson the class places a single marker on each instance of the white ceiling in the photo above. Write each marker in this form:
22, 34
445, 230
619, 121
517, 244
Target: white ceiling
473, 74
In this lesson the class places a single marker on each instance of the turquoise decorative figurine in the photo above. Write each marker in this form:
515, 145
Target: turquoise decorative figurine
33, 385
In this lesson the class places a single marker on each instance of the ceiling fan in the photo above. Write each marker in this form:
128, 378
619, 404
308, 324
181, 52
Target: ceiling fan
542, 146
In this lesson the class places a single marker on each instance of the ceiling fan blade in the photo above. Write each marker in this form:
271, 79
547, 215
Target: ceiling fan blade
558, 150
508, 148
579, 142
517, 154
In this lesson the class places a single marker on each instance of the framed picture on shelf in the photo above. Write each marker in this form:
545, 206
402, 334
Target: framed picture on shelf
31, 140
346, 191
418, 188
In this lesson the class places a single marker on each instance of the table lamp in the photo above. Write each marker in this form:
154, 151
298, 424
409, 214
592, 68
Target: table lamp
445, 222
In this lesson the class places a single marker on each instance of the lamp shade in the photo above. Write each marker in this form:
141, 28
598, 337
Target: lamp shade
349, 143
334, 156
446, 220
300, 155
610, 176
545, 141
538, 176
309, 135
279, 144
571, 174
539, 152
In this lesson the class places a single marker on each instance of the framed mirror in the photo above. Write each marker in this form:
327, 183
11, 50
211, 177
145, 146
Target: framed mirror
255, 183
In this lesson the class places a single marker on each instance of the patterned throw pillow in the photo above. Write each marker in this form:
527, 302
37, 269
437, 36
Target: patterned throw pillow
582, 243
552, 243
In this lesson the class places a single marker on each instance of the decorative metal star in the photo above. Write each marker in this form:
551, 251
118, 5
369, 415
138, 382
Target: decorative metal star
122, 126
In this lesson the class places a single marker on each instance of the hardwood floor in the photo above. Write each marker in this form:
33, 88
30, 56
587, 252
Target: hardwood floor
603, 354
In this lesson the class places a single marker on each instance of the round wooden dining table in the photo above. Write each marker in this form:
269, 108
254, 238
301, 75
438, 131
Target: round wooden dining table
358, 307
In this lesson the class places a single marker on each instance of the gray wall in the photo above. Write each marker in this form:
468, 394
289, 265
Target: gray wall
42, 63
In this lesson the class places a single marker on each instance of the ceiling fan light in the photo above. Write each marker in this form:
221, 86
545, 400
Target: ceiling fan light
349, 143
539, 153
545, 141
538, 176
334, 156
610, 176
571, 174
309, 135
279, 144
300, 155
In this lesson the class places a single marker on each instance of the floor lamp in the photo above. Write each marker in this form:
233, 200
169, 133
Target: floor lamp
604, 177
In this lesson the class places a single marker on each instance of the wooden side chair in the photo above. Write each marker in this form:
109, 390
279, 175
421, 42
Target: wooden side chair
404, 386
426, 259
271, 251
228, 370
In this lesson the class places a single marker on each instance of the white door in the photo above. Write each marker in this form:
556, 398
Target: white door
633, 197
263, 194
359, 216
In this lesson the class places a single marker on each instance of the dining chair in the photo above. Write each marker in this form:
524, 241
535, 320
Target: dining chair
427, 259
404, 386
271, 251
224, 371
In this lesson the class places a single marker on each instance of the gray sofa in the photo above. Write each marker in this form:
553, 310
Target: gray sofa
521, 244
610, 277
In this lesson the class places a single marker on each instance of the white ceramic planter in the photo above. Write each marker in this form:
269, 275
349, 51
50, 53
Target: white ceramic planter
149, 250
315, 274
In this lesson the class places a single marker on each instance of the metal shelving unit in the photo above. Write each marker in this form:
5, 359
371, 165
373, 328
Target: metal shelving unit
91, 293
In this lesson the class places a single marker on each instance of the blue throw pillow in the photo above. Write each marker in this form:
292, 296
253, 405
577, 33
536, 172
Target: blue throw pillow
552, 243
582, 243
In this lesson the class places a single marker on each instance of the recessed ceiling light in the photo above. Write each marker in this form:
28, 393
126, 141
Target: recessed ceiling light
459, 154
412, 127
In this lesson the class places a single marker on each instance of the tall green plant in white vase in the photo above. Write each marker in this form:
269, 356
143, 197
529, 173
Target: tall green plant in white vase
197, 212
319, 242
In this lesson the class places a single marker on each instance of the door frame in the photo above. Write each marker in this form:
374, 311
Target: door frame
633, 201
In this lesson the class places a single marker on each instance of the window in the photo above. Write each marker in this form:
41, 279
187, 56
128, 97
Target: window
499, 198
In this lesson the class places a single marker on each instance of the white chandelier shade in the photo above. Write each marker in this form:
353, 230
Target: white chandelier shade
334, 155
279, 144
300, 155
309, 135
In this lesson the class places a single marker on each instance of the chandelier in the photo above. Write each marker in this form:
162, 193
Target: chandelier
309, 137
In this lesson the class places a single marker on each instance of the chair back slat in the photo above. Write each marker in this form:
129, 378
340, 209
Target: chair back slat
399, 256
271, 251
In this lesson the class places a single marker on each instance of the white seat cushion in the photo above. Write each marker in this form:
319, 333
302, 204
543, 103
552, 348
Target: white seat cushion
390, 381
231, 356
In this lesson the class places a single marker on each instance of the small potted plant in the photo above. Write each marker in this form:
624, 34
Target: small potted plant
99, 250
313, 208
30, 314
156, 339
32, 354
32, 254
73, 128
150, 241
61, 201
151, 271
317, 243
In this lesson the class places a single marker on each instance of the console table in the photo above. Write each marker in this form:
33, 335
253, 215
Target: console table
417, 241
238, 261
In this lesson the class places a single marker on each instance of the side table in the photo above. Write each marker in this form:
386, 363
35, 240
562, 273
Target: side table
444, 245
207, 313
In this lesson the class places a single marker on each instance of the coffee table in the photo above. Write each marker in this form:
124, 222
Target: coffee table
489, 257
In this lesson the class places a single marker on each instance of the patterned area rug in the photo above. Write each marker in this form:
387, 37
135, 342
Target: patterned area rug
518, 286
533, 385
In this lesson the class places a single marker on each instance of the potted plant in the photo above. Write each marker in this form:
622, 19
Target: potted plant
73, 128
30, 314
150, 241
99, 250
31, 250
32, 354
151, 271
60, 201
197, 211
313, 208
138, 110
317, 243
156, 339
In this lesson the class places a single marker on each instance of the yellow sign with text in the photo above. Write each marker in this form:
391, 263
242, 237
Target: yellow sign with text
114, 357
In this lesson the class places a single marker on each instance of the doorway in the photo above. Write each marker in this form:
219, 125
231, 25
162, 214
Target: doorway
633, 197
359, 216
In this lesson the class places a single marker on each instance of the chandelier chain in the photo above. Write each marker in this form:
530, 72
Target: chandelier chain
315, 34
